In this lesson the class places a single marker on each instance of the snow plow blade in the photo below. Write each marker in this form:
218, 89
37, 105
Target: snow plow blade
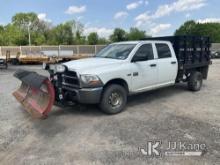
36, 93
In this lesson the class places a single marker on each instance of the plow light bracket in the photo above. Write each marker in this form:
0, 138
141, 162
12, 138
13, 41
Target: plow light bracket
56, 68
60, 68
45, 66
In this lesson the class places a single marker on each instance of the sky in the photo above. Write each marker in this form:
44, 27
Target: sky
156, 17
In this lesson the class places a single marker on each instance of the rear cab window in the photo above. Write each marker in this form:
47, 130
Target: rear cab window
163, 50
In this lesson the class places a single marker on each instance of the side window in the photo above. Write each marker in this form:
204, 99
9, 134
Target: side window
144, 53
163, 51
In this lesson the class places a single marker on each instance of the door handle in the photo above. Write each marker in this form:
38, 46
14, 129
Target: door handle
135, 74
173, 62
153, 65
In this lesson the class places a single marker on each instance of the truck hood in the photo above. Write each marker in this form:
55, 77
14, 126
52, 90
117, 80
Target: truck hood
90, 64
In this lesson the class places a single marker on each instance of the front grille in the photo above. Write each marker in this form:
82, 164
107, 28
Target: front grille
70, 79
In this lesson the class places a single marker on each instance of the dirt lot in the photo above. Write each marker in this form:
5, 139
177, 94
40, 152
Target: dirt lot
84, 135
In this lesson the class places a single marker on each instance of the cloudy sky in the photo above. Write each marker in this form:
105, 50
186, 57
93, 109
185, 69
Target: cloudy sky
156, 17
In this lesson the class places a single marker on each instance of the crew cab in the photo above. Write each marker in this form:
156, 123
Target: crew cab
126, 68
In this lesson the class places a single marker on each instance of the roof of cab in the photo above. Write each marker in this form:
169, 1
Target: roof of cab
138, 42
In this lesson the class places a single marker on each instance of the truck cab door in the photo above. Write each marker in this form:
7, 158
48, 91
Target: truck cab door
144, 68
167, 64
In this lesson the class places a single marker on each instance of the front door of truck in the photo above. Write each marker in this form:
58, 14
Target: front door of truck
144, 68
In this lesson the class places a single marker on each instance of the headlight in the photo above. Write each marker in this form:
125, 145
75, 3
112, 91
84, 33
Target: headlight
90, 81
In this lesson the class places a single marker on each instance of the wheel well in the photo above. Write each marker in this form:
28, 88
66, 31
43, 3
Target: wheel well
202, 70
118, 81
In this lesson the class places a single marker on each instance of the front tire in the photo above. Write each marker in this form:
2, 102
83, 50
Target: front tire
114, 99
195, 81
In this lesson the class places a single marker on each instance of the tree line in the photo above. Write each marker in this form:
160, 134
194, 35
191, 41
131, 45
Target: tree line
71, 32
191, 27
67, 33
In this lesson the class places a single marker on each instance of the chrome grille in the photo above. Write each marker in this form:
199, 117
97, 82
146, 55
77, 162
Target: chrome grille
70, 79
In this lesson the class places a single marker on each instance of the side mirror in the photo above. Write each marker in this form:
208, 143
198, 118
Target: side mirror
139, 58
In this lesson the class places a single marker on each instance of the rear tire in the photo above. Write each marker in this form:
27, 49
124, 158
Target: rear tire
195, 81
114, 99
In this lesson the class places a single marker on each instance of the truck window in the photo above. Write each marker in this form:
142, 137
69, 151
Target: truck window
116, 51
163, 51
145, 52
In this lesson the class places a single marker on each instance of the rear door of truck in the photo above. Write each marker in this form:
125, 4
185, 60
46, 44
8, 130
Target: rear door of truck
167, 63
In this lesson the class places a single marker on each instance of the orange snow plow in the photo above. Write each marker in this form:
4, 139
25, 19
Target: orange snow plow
36, 93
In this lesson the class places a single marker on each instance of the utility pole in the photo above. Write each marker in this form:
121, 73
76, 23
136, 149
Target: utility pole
29, 33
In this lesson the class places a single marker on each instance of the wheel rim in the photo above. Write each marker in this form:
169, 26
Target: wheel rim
115, 99
198, 83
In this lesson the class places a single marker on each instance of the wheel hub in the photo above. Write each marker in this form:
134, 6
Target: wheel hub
115, 99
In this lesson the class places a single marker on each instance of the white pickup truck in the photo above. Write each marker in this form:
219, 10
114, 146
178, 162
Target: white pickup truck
126, 68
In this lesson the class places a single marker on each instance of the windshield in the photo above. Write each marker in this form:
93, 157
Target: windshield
117, 51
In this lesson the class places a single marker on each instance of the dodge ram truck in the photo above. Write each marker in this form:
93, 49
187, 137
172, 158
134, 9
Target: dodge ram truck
126, 68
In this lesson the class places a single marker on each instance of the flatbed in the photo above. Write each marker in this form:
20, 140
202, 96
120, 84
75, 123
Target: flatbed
192, 53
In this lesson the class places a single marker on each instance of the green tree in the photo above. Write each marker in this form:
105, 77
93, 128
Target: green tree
23, 20
79, 38
14, 36
93, 38
61, 34
39, 39
1, 35
118, 35
188, 28
103, 41
77, 30
202, 29
136, 34
209, 29
69, 32
38, 28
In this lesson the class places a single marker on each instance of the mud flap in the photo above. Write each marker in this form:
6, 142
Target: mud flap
36, 93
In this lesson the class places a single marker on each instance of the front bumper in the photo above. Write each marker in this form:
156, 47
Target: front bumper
68, 89
85, 95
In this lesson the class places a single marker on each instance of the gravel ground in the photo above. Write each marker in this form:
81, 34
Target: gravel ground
84, 135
